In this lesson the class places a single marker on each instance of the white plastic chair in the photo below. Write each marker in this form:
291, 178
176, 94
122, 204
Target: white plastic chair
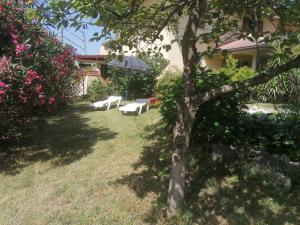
136, 106
107, 103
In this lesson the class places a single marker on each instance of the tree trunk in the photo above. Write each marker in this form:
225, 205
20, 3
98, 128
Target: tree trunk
177, 176
186, 108
181, 143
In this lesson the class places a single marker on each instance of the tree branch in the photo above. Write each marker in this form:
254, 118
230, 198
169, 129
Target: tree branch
260, 79
164, 24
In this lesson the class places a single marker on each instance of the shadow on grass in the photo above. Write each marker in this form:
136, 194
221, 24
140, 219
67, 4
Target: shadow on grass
234, 192
61, 139
218, 192
151, 170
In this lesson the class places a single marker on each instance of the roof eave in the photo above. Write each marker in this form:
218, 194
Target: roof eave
244, 48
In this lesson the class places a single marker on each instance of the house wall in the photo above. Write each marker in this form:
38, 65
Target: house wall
87, 83
103, 50
173, 55
270, 26
149, 2
213, 63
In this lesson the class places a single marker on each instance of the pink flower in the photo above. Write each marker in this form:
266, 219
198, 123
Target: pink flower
22, 97
52, 100
42, 98
20, 48
28, 80
31, 75
2, 96
4, 64
39, 88
2, 84
15, 38
60, 59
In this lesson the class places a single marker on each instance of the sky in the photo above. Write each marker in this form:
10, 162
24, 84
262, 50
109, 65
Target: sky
75, 38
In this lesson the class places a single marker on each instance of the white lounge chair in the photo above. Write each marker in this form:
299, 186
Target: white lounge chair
107, 103
137, 106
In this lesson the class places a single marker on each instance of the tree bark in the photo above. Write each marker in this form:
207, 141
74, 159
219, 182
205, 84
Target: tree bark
186, 108
178, 167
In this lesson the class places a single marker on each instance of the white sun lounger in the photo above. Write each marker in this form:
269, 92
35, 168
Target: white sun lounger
107, 103
136, 106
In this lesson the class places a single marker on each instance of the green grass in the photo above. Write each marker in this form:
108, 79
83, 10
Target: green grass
103, 168
66, 169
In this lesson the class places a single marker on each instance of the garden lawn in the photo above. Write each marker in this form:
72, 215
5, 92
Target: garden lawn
66, 172
102, 168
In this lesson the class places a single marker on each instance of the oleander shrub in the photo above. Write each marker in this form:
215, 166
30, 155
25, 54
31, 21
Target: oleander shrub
37, 72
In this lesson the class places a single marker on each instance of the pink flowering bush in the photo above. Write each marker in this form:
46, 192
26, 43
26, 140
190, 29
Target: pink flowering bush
37, 72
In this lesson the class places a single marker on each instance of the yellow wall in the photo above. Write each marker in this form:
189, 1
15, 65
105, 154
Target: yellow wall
213, 63
270, 26
149, 2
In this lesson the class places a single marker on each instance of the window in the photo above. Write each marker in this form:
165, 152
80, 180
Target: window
247, 23
244, 62
260, 26
251, 25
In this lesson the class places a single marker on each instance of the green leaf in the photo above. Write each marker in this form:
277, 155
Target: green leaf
65, 23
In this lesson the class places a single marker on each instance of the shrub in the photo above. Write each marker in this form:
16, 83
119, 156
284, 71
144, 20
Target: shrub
211, 114
37, 72
213, 117
222, 120
137, 84
277, 134
98, 90
232, 71
169, 88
